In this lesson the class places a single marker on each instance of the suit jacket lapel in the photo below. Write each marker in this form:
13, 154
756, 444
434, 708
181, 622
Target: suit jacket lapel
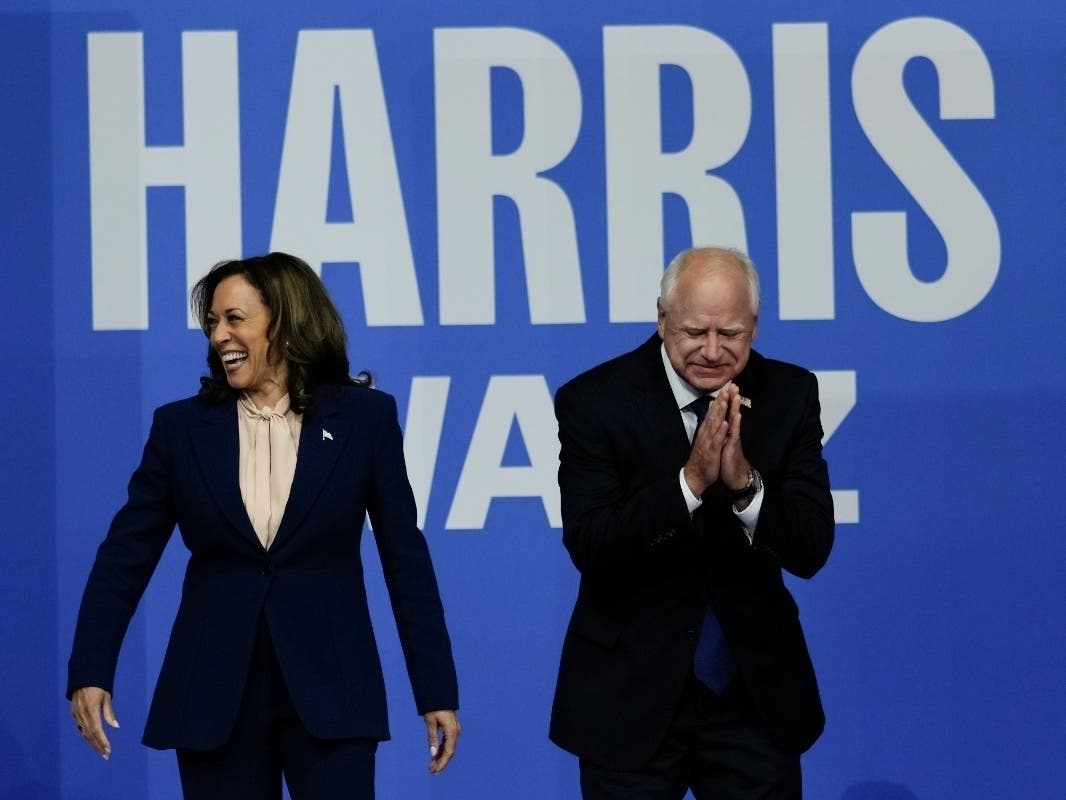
217, 447
322, 438
750, 385
656, 404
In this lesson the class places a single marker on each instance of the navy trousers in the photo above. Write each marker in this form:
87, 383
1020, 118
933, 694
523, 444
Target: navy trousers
269, 743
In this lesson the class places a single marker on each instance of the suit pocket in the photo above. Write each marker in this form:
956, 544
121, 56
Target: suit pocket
592, 625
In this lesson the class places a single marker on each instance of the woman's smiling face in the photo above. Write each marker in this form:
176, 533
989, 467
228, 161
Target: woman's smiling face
237, 325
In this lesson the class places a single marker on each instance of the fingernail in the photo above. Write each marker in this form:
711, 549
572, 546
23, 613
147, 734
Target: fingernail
433, 750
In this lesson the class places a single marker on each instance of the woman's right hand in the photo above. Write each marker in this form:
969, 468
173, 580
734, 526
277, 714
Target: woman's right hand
87, 705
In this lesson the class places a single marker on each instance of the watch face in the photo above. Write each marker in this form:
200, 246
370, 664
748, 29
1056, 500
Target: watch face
754, 485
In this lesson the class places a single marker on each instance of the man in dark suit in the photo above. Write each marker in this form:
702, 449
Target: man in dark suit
684, 665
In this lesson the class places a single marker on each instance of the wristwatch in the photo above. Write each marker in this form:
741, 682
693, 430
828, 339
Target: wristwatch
754, 486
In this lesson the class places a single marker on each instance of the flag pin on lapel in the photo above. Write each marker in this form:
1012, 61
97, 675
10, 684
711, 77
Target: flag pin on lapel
326, 435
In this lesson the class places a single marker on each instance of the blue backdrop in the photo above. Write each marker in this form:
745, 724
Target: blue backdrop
490, 191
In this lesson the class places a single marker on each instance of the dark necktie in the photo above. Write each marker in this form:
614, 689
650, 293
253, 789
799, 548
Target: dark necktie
712, 662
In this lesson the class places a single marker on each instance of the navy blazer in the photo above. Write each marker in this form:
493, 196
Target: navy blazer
309, 584
649, 569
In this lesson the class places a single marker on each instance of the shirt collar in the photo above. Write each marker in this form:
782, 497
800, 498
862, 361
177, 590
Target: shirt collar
251, 410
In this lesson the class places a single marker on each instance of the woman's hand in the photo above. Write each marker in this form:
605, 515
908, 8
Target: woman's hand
443, 729
87, 705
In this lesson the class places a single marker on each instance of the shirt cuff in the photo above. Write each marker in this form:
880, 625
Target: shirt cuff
691, 500
749, 517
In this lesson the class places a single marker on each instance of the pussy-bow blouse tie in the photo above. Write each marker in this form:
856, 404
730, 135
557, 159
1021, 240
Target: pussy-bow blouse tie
268, 463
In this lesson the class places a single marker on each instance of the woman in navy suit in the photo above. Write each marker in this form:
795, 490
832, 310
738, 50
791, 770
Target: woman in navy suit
268, 473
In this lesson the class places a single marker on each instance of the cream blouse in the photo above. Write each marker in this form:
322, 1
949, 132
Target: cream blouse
269, 439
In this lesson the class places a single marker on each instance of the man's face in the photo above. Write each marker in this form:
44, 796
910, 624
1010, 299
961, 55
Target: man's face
707, 325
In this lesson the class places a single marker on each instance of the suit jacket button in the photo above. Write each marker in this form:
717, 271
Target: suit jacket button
267, 570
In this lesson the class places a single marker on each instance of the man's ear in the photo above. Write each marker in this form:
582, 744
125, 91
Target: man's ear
661, 318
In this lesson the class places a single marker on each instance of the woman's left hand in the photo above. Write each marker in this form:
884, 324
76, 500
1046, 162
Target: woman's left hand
443, 729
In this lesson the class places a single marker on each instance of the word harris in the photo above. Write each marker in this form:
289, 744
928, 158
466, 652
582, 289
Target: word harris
340, 68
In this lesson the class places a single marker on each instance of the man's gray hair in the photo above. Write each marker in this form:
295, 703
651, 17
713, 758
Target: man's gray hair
681, 260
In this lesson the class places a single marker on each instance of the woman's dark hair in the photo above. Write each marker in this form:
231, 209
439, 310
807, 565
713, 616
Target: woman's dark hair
305, 328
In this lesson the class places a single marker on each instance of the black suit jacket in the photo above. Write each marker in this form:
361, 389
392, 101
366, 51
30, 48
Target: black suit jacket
648, 570
309, 584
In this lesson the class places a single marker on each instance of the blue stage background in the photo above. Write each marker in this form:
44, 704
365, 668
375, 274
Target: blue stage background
490, 190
